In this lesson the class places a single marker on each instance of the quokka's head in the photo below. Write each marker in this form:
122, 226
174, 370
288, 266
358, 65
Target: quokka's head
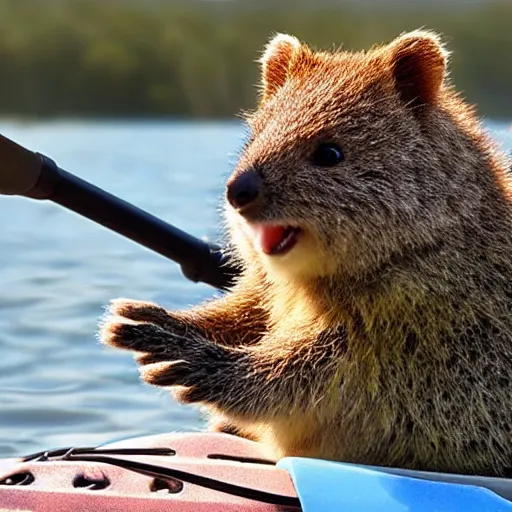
349, 158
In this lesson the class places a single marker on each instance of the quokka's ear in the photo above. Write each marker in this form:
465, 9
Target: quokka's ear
276, 62
418, 62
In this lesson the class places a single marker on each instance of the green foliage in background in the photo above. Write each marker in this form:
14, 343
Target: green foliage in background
197, 59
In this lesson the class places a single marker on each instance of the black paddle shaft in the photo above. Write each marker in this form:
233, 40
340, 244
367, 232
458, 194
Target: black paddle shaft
37, 176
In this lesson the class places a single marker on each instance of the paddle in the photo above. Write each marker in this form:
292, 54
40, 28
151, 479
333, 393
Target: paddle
25, 173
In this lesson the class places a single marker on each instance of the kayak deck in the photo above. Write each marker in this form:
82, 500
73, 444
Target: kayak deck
56, 483
218, 472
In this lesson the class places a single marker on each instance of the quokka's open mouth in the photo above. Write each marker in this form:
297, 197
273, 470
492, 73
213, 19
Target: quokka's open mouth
276, 240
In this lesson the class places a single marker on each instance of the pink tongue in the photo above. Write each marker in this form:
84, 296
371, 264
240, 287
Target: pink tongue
269, 237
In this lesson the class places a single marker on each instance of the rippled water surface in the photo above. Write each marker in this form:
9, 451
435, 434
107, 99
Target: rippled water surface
58, 386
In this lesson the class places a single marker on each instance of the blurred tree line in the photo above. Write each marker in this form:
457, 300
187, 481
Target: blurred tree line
192, 58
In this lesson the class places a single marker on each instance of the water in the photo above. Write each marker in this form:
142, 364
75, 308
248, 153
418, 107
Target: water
58, 385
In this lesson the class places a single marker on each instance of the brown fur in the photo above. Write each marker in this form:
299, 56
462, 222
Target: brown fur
385, 336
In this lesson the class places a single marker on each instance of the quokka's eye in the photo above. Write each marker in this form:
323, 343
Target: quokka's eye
327, 155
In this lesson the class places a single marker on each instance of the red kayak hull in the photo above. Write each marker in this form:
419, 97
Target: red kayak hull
222, 457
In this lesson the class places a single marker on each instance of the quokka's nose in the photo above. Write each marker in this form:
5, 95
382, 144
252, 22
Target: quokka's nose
244, 189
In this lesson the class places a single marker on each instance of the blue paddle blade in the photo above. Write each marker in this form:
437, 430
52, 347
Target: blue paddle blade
324, 486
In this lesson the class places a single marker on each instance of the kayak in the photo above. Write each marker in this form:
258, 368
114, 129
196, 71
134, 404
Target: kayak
219, 472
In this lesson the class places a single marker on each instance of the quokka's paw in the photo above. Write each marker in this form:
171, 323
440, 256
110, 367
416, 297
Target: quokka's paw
136, 335
165, 358
141, 311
